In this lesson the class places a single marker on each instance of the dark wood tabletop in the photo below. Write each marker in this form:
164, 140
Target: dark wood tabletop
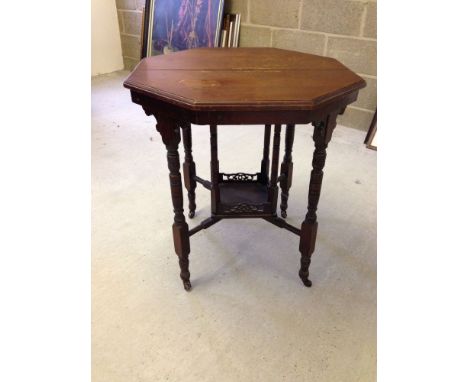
243, 79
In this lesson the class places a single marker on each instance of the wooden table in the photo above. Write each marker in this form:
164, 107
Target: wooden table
243, 86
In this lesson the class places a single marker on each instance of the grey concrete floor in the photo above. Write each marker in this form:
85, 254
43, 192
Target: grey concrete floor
248, 316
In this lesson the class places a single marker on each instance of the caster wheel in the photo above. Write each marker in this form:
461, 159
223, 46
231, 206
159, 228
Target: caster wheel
187, 286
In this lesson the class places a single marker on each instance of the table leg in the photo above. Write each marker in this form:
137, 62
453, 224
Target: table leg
189, 168
214, 168
322, 135
273, 186
286, 169
265, 166
170, 133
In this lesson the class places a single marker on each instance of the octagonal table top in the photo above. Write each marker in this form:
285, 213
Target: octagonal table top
207, 79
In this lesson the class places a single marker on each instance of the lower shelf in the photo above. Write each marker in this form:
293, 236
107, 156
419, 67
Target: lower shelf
244, 199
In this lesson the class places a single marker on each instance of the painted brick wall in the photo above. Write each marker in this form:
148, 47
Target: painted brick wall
343, 29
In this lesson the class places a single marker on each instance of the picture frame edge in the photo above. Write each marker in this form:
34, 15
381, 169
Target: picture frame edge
147, 27
371, 133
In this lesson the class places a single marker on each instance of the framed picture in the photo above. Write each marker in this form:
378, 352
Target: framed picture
371, 137
173, 25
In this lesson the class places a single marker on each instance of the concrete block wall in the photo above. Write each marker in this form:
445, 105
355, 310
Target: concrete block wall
342, 29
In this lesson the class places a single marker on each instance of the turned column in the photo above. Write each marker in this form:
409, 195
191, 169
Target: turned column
265, 165
322, 135
273, 185
189, 168
214, 168
286, 169
170, 133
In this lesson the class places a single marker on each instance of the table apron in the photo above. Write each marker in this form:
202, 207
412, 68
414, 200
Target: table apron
242, 117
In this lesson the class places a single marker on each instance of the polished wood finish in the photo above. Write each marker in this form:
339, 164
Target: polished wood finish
189, 169
286, 169
243, 79
204, 225
203, 182
243, 86
273, 185
322, 135
214, 168
171, 137
275, 220
265, 165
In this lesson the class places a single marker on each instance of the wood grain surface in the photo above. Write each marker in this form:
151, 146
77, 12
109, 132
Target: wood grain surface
242, 79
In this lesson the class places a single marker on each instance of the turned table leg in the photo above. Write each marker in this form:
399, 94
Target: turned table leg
189, 168
265, 165
170, 134
215, 196
286, 169
322, 135
273, 185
